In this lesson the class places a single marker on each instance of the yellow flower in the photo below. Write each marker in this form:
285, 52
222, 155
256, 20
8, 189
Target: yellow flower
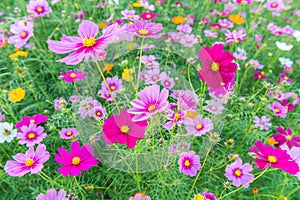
18, 54
102, 25
198, 197
237, 19
3, 44
137, 4
17, 95
108, 67
178, 20
126, 75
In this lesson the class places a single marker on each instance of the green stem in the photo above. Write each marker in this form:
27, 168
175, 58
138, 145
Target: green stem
139, 70
81, 193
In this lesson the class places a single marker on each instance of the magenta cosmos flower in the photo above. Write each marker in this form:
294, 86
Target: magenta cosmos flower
144, 29
35, 119
140, 196
274, 157
68, 133
218, 66
285, 137
31, 135
209, 196
75, 161
239, 173
275, 5
71, 76
32, 161
279, 109
38, 8
151, 101
189, 163
198, 126
22, 31
86, 45
53, 195
148, 16
122, 129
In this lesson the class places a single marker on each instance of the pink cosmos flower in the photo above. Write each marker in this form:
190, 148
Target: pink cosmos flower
2, 41
294, 152
144, 29
235, 36
189, 163
152, 76
259, 75
275, 5
129, 15
148, 16
218, 66
166, 81
150, 61
140, 196
52, 195
122, 129
86, 107
79, 15
71, 76
285, 78
86, 45
184, 28
2, 117
175, 118
279, 109
31, 135
274, 157
38, 8
151, 101
99, 112
60, 104
22, 30
209, 196
198, 126
214, 106
285, 137
35, 119
189, 40
239, 173
32, 161
68, 133
78, 159
263, 123
114, 84
209, 33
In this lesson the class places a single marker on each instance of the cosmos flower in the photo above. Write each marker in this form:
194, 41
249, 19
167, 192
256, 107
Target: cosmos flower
189, 40
114, 84
198, 126
166, 81
68, 133
52, 195
184, 28
140, 196
38, 8
284, 46
32, 161
209, 33
285, 137
60, 104
129, 15
174, 118
152, 76
239, 173
235, 36
150, 61
189, 163
122, 129
144, 29
78, 159
263, 123
218, 66
151, 101
279, 109
209, 196
86, 46
3, 43
35, 119
274, 157
31, 135
71, 76
275, 5
79, 15
86, 107
296, 34
148, 16
214, 106
259, 75
7, 132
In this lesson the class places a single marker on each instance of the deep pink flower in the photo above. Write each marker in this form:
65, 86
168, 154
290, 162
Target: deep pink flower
35, 119
189, 163
279, 109
151, 101
71, 76
285, 78
22, 31
145, 29
32, 161
218, 66
289, 105
148, 16
51, 195
122, 129
259, 75
31, 135
285, 137
78, 159
239, 173
86, 46
38, 8
174, 118
79, 15
274, 157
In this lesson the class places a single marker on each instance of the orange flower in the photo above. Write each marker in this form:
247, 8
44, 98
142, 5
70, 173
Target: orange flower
191, 114
108, 67
178, 20
237, 19
102, 25
255, 191
271, 140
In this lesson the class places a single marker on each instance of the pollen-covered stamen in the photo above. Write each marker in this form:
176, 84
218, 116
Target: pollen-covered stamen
72, 75
238, 172
24, 34
88, 42
187, 163
151, 108
29, 162
76, 160
32, 121
148, 16
143, 31
98, 113
272, 159
274, 5
288, 137
277, 110
177, 116
69, 133
6, 132
199, 126
215, 67
124, 129
166, 83
31, 136
39, 9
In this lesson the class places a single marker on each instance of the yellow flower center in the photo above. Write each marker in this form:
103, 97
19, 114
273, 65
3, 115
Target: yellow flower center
288, 137
76, 160
167, 83
101, 56
272, 159
88, 42
199, 197
31, 135
176, 116
72, 75
187, 163
112, 87
215, 67
98, 113
151, 107
29, 162
189, 40
6, 132
69, 133
23, 34
213, 107
149, 63
199, 126
148, 16
32, 121
238, 172
39, 9
143, 31
277, 110
124, 129
274, 5
129, 16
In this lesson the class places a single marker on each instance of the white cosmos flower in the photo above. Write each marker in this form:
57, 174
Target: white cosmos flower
284, 46
7, 132
286, 62
297, 35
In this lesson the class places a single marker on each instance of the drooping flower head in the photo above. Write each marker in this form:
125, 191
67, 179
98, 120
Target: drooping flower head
7, 132
35, 119
53, 195
285, 137
122, 129
78, 159
274, 157
68, 133
239, 173
71, 76
32, 161
218, 66
38, 8
145, 29
87, 45
31, 135
189, 163
151, 101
